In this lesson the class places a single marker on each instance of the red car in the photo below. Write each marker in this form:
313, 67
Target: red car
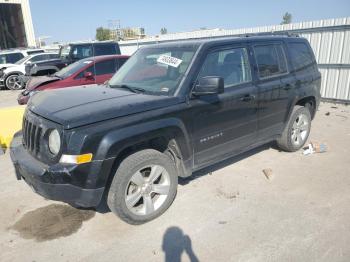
89, 71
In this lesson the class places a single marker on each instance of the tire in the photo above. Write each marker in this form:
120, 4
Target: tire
129, 187
299, 123
13, 83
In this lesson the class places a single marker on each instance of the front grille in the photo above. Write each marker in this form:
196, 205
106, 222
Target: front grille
31, 136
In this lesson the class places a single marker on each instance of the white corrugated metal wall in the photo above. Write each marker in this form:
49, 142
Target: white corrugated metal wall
330, 40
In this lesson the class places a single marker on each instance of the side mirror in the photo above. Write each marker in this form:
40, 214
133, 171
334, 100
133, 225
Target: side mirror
209, 85
88, 75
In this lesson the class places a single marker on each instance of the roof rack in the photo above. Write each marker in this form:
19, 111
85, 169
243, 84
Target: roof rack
276, 33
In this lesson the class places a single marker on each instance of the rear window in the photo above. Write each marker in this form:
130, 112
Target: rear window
270, 59
105, 49
301, 56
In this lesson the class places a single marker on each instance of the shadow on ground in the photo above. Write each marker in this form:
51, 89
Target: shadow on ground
175, 242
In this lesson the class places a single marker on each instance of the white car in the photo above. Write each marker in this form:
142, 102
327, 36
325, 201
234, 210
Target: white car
11, 56
10, 73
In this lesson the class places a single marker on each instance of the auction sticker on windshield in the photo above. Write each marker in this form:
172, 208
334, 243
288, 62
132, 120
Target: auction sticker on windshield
169, 60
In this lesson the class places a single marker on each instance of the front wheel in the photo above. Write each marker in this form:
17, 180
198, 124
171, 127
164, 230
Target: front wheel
297, 130
13, 82
143, 187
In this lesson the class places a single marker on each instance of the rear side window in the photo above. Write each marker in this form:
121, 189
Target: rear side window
105, 67
106, 49
271, 60
13, 58
121, 61
301, 56
39, 58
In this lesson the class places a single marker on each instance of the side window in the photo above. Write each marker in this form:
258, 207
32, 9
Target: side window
105, 67
230, 64
271, 60
13, 58
106, 49
301, 55
89, 69
38, 58
82, 51
121, 61
53, 56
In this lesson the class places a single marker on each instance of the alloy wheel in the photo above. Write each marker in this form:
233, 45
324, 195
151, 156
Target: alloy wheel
147, 190
300, 130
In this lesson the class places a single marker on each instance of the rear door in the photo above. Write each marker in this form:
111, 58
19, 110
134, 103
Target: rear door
225, 123
276, 87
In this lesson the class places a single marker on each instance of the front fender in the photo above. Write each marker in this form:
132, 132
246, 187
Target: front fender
114, 142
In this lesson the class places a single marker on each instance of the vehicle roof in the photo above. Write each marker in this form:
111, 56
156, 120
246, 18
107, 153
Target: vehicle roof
103, 57
92, 42
227, 40
17, 50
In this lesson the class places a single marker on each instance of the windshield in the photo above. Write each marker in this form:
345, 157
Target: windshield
19, 62
64, 51
154, 70
72, 68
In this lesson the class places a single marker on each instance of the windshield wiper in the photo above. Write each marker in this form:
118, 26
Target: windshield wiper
130, 88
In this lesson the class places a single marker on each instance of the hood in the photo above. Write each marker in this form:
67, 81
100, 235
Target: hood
37, 81
78, 106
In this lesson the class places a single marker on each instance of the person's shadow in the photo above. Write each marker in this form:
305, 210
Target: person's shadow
174, 243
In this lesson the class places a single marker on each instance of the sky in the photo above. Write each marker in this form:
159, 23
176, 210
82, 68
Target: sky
67, 20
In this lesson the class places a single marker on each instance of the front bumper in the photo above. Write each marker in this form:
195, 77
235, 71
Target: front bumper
41, 178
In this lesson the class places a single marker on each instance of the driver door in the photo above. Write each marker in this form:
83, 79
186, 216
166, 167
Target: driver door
225, 124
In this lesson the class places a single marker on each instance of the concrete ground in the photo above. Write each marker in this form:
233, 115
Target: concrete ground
232, 214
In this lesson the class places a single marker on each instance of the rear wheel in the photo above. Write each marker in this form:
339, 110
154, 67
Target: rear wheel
297, 130
143, 187
13, 82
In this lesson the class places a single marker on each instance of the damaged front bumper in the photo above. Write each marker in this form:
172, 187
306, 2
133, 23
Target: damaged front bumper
52, 182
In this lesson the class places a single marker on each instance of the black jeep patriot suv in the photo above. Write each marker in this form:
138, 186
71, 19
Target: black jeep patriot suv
172, 109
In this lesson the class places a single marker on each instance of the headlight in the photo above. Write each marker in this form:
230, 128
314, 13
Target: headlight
54, 142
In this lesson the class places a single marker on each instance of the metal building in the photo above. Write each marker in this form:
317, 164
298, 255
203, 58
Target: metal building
330, 40
16, 26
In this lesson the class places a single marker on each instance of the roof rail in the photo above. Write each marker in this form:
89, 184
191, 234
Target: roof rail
278, 33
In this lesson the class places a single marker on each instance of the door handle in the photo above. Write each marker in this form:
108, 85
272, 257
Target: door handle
287, 87
247, 98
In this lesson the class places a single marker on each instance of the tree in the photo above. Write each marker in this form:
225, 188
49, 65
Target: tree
103, 34
287, 18
163, 31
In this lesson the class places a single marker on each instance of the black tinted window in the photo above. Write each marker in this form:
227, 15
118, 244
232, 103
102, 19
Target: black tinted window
106, 49
105, 67
301, 55
13, 58
230, 64
270, 59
